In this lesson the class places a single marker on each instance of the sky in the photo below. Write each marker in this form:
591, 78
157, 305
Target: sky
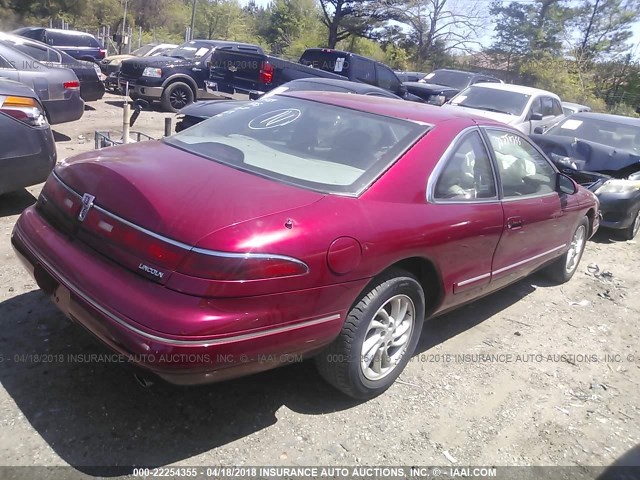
486, 40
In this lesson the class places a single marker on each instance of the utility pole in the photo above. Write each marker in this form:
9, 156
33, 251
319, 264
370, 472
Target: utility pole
124, 25
193, 19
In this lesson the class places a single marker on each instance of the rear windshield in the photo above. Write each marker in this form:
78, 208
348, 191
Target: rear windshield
301, 142
336, 62
457, 80
142, 51
492, 100
191, 51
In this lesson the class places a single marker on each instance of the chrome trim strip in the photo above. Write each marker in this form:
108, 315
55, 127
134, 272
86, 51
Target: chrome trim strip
474, 279
184, 246
171, 341
522, 262
529, 197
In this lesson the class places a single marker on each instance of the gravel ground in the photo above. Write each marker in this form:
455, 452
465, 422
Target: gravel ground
551, 377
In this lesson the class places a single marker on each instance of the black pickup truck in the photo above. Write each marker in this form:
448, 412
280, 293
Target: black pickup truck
178, 78
256, 73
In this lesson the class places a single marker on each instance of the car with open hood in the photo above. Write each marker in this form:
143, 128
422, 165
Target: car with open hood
306, 224
602, 152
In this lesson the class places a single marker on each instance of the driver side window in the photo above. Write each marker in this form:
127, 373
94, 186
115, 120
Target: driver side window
523, 170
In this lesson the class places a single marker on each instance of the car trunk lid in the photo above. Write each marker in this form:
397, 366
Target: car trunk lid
148, 204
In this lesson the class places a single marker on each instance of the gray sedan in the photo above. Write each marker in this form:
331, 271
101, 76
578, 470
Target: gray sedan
27, 149
57, 88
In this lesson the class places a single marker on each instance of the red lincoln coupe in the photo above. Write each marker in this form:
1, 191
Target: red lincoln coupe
306, 224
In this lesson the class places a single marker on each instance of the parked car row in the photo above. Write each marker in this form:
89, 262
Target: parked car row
496, 170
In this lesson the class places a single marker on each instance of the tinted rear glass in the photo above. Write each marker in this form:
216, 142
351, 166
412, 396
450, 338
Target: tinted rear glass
335, 62
301, 142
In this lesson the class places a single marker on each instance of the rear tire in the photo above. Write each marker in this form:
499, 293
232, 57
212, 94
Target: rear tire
632, 230
374, 347
176, 96
563, 268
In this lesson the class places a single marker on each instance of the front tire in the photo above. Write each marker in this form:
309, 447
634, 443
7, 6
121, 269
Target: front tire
176, 96
378, 338
562, 269
632, 230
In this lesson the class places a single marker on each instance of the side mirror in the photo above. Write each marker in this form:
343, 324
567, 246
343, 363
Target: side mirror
402, 90
535, 116
538, 130
566, 185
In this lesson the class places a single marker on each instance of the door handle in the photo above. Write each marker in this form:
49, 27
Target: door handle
514, 223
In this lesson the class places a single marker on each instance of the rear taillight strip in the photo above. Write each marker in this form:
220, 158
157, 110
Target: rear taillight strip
189, 248
261, 256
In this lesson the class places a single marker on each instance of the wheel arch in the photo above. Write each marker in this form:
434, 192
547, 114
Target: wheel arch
591, 215
184, 79
427, 274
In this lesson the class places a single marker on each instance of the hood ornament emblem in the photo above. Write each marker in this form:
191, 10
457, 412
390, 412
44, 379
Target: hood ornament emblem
87, 203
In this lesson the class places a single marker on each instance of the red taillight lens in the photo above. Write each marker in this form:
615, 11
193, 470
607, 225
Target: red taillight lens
234, 267
132, 240
266, 73
103, 53
71, 85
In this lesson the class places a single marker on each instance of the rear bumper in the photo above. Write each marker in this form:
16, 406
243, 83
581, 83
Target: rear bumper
91, 91
67, 110
32, 168
619, 210
93, 297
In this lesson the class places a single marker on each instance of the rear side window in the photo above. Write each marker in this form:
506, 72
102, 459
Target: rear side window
5, 64
387, 79
363, 71
40, 54
467, 175
35, 34
557, 108
69, 40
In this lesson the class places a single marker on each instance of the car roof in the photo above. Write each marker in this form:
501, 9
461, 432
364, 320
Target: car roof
607, 117
515, 88
355, 87
401, 109
77, 33
222, 43
9, 87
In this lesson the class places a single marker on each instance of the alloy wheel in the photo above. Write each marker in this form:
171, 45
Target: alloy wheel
387, 337
575, 249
